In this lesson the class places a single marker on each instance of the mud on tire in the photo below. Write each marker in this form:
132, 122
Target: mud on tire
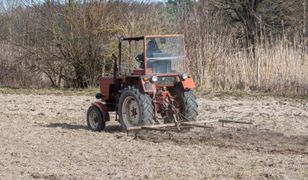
144, 104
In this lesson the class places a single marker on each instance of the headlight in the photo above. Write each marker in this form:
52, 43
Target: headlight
98, 95
184, 76
154, 79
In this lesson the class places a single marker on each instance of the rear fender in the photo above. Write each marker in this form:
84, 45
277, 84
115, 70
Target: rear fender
103, 109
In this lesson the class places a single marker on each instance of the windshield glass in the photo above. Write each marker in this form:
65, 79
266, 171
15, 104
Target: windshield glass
129, 51
165, 54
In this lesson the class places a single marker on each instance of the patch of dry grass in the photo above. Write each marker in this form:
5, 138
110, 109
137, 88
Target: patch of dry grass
279, 68
51, 91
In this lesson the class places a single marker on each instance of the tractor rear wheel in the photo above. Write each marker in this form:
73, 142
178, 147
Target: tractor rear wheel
188, 104
95, 119
135, 108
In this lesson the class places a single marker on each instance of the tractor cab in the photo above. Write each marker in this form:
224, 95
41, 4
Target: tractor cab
149, 55
164, 55
150, 84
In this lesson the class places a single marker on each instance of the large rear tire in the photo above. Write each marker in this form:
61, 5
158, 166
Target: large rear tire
135, 108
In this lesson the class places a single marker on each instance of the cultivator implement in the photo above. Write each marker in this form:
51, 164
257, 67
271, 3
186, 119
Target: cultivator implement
184, 125
180, 122
171, 126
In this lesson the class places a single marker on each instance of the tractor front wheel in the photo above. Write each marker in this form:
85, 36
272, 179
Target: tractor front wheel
95, 119
188, 103
135, 108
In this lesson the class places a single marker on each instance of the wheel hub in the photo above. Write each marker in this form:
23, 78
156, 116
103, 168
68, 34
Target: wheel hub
130, 111
93, 120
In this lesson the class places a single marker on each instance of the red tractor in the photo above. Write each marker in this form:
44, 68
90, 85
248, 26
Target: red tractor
150, 85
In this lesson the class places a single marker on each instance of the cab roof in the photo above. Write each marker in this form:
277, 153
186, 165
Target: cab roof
137, 38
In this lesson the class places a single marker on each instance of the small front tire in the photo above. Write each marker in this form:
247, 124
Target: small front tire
95, 119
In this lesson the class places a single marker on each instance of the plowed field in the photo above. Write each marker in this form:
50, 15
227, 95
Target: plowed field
45, 137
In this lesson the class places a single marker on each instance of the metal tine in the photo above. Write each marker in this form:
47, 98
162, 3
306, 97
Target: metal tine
232, 121
175, 129
170, 125
197, 125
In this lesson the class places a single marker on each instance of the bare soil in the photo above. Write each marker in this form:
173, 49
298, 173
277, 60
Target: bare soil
45, 137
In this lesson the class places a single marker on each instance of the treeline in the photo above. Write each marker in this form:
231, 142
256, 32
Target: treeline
231, 44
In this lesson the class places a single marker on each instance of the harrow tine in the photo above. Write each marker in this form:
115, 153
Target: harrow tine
231, 121
158, 129
151, 126
171, 125
196, 125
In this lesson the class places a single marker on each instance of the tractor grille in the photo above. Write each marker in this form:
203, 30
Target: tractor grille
165, 81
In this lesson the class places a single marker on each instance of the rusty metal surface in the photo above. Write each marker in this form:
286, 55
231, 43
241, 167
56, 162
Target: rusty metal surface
104, 84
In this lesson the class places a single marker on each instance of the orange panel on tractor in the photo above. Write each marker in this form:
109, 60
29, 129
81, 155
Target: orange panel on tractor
188, 83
